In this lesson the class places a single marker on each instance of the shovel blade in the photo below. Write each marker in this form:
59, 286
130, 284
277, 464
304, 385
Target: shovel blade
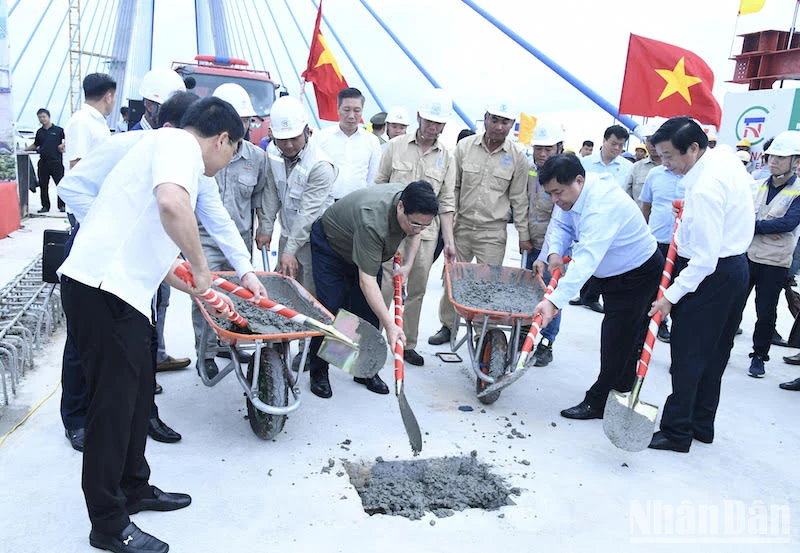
628, 422
411, 424
368, 359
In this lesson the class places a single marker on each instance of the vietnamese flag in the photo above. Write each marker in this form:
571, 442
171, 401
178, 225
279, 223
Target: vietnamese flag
324, 72
667, 81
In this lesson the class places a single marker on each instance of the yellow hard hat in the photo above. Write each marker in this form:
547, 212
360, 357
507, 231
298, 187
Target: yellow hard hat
743, 142
641, 147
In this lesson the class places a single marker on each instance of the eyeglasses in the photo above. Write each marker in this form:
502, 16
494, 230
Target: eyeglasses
414, 224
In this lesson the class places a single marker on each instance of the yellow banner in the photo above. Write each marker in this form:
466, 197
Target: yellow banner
526, 125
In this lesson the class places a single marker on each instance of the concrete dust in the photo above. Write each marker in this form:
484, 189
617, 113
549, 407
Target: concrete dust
263, 321
440, 485
494, 295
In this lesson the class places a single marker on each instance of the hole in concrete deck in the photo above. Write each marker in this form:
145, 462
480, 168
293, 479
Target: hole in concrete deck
440, 485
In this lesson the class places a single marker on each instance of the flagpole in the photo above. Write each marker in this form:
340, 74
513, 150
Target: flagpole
733, 38
794, 23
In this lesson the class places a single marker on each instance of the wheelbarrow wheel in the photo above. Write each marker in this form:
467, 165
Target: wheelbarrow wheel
272, 390
492, 362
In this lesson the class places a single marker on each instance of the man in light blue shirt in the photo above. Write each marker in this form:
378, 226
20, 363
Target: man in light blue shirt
613, 244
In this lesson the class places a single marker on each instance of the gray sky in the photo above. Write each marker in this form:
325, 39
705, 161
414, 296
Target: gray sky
467, 56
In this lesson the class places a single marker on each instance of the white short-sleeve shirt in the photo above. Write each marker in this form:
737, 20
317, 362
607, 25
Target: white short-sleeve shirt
86, 130
356, 157
122, 246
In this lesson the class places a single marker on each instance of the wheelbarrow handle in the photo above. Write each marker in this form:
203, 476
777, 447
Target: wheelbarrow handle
536, 325
282, 310
183, 272
666, 278
399, 361
265, 257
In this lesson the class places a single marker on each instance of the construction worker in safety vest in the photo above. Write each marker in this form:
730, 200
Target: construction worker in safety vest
299, 180
409, 158
491, 179
396, 122
548, 140
777, 229
241, 184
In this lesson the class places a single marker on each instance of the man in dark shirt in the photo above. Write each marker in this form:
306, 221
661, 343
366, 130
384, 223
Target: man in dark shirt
349, 243
49, 143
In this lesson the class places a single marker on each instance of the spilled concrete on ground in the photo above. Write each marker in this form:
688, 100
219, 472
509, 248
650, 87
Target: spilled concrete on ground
440, 486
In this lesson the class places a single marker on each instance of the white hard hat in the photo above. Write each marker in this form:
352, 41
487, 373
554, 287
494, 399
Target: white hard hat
548, 133
785, 144
287, 118
650, 128
159, 84
501, 109
745, 156
236, 96
397, 115
437, 106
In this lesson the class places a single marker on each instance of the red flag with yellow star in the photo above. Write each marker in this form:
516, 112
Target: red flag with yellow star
323, 71
667, 81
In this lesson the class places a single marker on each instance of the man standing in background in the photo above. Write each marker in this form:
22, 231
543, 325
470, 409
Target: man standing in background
49, 143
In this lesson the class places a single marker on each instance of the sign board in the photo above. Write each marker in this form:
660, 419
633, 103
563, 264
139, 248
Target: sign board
758, 115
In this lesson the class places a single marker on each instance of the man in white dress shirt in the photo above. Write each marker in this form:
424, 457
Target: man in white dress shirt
709, 285
142, 217
615, 248
354, 151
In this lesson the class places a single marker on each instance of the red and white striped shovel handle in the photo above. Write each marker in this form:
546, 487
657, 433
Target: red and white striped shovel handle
399, 361
666, 278
213, 299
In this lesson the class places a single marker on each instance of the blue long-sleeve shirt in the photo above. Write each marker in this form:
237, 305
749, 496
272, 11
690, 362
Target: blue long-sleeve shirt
788, 222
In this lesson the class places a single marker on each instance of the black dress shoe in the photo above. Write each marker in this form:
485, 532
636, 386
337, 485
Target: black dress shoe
296, 362
160, 501
412, 357
244, 357
441, 337
75, 438
131, 540
777, 340
160, 432
157, 389
705, 438
374, 384
582, 411
595, 306
576, 302
660, 441
320, 385
794, 385
210, 366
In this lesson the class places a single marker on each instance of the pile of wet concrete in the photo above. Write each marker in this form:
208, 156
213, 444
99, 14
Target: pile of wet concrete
494, 295
440, 486
263, 321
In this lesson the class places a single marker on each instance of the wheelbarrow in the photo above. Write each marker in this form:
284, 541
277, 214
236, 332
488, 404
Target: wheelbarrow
492, 300
267, 380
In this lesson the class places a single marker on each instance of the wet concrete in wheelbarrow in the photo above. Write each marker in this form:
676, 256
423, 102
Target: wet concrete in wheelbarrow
264, 321
439, 485
494, 296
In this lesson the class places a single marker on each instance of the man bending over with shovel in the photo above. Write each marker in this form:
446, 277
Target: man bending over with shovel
613, 244
348, 245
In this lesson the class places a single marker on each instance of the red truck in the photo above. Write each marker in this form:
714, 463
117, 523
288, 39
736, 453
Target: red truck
209, 72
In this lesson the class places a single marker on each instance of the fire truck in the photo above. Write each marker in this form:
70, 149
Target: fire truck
208, 72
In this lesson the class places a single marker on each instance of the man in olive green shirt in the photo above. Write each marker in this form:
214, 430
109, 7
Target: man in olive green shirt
349, 244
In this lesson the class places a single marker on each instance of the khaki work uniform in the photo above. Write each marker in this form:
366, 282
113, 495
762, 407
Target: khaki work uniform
488, 185
540, 209
241, 186
404, 162
298, 191
636, 178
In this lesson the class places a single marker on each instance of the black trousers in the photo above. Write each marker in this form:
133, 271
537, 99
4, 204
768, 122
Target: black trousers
704, 324
337, 287
768, 281
590, 291
115, 345
47, 169
627, 298
74, 396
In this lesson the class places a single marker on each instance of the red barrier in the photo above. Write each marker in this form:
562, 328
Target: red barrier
9, 208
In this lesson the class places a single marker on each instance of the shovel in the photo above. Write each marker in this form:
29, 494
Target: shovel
357, 347
628, 422
409, 420
509, 378
212, 298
